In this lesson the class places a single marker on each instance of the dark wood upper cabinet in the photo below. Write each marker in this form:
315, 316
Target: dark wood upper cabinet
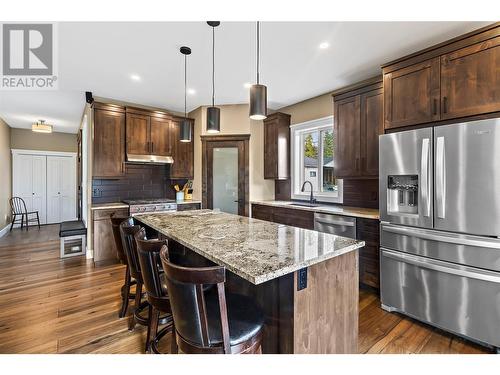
372, 125
470, 80
160, 136
277, 146
183, 153
138, 134
109, 137
412, 95
455, 79
347, 132
358, 121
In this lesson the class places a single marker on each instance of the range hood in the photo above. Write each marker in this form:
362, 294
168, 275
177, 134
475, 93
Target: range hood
149, 159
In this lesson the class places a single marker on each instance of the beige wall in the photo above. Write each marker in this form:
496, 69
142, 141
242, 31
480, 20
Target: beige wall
27, 140
5, 172
310, 109
235, 120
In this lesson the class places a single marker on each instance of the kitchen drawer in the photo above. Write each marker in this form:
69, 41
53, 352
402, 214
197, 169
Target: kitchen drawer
459, 299
188, 206
106, 213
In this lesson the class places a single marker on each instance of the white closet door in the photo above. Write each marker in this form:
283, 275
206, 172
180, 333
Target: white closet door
61, 189
23, 179
53, 190
68, 188
39, 176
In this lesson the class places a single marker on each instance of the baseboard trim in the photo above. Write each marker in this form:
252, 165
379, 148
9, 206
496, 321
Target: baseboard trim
5, 230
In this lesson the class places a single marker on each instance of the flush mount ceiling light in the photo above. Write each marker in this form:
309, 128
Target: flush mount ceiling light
185, 131
258, 92
135, 77
191, 91
213, 113
324, 45
41, 127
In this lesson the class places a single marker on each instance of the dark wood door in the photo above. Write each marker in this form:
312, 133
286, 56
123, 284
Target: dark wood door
347, 133
109, 144
470, 80
160, 136
182, 152
209, 144
138, 129
372, 125
411, 95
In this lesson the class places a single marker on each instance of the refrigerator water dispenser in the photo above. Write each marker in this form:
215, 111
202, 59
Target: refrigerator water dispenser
402, 195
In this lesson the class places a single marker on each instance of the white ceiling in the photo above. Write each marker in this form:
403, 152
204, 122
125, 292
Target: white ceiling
100, 57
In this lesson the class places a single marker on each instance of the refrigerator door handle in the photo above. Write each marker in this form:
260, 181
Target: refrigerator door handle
424, 168
453, 239
440, 266
440, 177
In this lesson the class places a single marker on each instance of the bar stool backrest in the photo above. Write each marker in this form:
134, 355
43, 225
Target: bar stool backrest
128, 231
187, 299
148, 252
115, 224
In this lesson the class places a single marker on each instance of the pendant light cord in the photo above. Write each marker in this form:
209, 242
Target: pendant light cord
185, 86
258, 50
213, 66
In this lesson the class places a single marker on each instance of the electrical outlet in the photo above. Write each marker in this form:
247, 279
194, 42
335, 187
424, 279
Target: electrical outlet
302, 279
96, 192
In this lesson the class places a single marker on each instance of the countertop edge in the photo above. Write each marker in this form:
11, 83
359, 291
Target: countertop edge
269, 276
322, 209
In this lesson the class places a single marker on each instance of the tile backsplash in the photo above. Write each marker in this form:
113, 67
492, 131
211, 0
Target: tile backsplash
139, 182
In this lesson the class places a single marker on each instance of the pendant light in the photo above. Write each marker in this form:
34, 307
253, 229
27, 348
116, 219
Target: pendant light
213, 113
185, 131
258, 92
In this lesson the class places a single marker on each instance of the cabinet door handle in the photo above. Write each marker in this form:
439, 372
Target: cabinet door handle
434, 106
152, 147
445, 104
356, 164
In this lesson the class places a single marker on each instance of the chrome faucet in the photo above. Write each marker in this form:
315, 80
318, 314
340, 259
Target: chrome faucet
311, 199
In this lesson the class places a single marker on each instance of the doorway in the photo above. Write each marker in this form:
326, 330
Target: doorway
225, 172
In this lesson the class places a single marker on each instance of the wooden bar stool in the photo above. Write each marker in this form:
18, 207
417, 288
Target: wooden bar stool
129, 282
204, 322
156, 289
127, 232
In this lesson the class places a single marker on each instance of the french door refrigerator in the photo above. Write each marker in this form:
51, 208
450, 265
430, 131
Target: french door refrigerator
440, 227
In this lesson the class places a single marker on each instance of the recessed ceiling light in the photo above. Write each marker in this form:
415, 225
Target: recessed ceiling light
135, 77
324, 45
191, 91
247, 85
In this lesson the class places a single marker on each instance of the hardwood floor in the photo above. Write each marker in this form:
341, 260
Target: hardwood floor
49, 305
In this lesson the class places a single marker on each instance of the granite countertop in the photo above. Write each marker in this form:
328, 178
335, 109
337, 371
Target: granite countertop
366, 213
256, 250
105, 206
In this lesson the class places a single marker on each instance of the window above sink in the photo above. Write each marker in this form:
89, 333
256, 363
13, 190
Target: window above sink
313, 160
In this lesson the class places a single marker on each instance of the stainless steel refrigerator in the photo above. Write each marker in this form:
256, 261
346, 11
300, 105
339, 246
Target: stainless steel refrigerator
440, 227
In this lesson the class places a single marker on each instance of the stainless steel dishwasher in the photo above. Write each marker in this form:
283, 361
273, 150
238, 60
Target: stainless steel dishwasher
335, 224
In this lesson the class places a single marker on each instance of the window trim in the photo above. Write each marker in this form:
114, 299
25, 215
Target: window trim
297, 168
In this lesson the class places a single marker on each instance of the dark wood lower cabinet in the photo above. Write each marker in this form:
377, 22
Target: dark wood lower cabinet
369, 269
366, 230
102, 232
189, 206
281, 215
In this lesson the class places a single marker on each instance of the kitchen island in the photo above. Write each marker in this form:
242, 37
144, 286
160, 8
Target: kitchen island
305, 281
